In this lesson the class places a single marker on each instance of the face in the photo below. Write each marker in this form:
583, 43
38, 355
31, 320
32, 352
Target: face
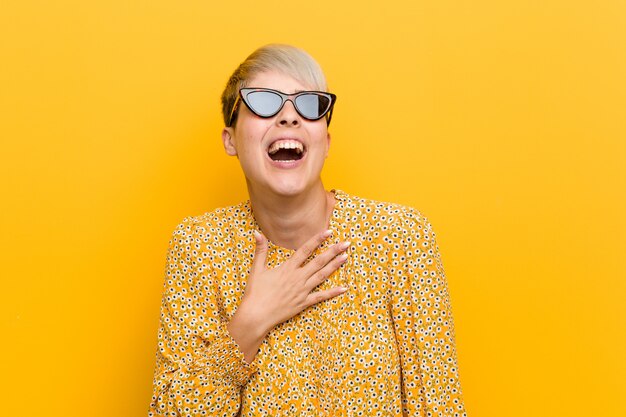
268, 148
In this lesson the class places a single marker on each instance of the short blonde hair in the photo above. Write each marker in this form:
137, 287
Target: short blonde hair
285, 59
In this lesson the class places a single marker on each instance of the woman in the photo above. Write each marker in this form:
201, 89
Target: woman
301, 301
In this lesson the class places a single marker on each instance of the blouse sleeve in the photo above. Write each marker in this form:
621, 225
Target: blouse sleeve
199, 367
424, 327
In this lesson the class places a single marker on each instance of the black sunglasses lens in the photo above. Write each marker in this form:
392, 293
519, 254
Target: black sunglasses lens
264, 103
312, 106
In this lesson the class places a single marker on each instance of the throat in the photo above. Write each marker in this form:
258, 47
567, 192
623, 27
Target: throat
292, 222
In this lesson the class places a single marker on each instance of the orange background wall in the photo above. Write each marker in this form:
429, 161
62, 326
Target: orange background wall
503, 121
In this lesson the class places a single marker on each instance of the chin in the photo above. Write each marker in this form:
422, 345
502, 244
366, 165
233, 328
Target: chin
288, 189
290, 185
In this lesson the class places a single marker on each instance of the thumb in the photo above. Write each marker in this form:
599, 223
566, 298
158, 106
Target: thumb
260, 252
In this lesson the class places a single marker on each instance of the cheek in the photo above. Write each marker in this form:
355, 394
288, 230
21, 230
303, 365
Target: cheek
249, 136
254, 128
322, 136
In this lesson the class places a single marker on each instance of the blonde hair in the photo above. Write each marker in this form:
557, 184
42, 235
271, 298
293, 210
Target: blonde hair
285, 59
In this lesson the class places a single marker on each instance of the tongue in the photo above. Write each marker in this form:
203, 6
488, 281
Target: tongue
285, 155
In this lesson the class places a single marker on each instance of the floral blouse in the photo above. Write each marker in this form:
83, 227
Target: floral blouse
384, 348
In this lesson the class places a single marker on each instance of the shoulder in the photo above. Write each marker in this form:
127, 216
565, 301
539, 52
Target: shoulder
216, 223
400, 218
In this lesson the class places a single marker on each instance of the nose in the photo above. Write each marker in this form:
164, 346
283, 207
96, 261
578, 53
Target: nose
288, 116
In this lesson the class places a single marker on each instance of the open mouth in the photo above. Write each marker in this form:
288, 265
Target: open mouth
286, 150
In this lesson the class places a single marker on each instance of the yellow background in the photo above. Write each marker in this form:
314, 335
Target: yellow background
502, 121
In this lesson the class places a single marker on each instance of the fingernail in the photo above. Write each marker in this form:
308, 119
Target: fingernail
343, 257
345, 245
257, 235
343, 289
327, 233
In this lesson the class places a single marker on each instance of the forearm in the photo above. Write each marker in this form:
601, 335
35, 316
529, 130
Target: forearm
209, 377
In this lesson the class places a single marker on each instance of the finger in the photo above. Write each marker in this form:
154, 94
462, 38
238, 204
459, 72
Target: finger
260, 252
321, 275
319, 296
309, 246
321, 260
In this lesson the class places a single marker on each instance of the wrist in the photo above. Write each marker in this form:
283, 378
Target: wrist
250, 321
247, 331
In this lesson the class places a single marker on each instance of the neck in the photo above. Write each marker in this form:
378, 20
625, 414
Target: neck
289, 221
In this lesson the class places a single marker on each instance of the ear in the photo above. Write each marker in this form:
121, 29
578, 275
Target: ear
227, 139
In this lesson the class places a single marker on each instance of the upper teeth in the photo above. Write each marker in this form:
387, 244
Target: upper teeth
286, 144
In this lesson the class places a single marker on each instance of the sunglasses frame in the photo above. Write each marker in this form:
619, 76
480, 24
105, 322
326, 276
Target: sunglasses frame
243, 94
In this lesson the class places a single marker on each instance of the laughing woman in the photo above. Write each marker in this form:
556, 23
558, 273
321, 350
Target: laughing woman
301, 301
